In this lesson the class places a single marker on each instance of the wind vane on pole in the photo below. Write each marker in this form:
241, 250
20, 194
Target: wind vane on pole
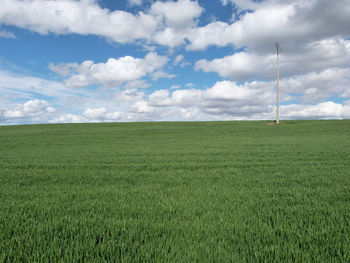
278, 47
2, 115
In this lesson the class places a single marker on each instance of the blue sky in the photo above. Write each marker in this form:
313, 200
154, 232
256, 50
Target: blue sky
153, 60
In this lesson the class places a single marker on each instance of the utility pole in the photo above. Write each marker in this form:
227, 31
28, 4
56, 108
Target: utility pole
278, 47
2, 115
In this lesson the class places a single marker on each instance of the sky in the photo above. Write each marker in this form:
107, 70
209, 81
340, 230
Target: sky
183, 60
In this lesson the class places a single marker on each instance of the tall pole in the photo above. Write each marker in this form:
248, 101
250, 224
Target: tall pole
2, 115
278, 47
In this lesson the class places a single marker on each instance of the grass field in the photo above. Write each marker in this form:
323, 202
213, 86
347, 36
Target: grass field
175, 192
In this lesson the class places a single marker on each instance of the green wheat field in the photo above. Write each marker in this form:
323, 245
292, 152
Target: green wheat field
175, 192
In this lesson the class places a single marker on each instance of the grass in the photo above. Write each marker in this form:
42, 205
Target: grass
175, 192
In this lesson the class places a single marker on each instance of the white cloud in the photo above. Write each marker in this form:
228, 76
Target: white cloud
216, 33
165, 23
7, 34
224, 101
190, 85
89, 115
186, 97
66, 69
224, 2
227, 97
160, 74
242, 66
80, 17
101, 114
210, 104
316, 87
170, 23
239, 66
224, 97
19, 87
178, 15
170, 37
322, 110
346, 109
178, 19
98, 113
227, 90
31, 111
318, 55
141, 107
314, 64
190, 113
129, 95
243, 4
35, 106
114, 72
68, 118
160, 98
135, 2
293, 23
227, 100
178, 59
137, 84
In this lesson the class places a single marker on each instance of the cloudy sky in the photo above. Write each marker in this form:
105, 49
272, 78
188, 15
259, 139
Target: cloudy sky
157, 60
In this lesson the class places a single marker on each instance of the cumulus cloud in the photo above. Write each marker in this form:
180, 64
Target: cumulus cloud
68, 118
80, 17
227, 97
323, 110
224, 101
314, 64
178, 15
101, 114
239, 66
216, 33
89, 115
129, 95
315, 56
179, 18
227, 100
172, 23
114, 72
164, 23
32, 111
224, 97
160, 98
137, 84
315, 86
346, 109
170, 37
38, 95
293, 23
141, 107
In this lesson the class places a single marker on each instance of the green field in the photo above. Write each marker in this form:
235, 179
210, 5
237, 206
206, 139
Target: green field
175, 192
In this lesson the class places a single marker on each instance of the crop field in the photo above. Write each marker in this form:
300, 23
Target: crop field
175, 192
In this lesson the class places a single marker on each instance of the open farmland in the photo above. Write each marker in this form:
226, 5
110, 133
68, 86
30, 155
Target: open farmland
175, 192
